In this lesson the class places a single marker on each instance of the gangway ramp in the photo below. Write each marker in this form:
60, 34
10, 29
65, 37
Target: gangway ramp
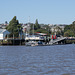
57, 40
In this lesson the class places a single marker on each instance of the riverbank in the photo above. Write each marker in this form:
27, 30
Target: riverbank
22, 43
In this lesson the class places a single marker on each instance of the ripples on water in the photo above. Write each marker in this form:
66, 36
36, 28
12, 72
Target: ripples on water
39, 60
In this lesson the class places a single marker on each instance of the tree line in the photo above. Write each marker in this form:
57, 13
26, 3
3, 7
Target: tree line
69, 30
15, 28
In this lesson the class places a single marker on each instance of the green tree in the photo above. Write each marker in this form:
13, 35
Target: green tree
31, 28
70, 30
68, 33
36, 26
41, 31
67, 27
73, 27
47, 29
14, 27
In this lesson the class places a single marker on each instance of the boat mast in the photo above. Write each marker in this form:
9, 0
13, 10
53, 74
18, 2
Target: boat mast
33, 29
28, 24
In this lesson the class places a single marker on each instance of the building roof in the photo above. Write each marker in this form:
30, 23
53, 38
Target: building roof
41, 33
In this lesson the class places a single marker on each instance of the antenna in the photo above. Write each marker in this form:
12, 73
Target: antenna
29, 19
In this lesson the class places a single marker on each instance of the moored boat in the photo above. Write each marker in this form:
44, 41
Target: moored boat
31, 43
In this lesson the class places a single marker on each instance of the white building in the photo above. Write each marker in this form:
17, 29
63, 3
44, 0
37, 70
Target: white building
3, 33
26, 28
55, 28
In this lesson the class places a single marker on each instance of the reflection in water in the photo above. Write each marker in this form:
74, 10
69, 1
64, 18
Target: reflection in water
39, 60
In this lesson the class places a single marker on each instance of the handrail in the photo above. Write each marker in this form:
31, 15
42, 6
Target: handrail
56, 40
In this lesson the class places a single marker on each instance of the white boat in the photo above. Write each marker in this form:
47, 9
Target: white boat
31, 43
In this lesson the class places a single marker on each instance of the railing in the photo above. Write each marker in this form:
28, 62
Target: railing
15, 38
56, 40
34, 38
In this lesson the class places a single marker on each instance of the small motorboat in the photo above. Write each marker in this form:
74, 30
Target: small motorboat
31, 43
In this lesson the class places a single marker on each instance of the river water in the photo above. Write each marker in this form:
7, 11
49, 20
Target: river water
38, 60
